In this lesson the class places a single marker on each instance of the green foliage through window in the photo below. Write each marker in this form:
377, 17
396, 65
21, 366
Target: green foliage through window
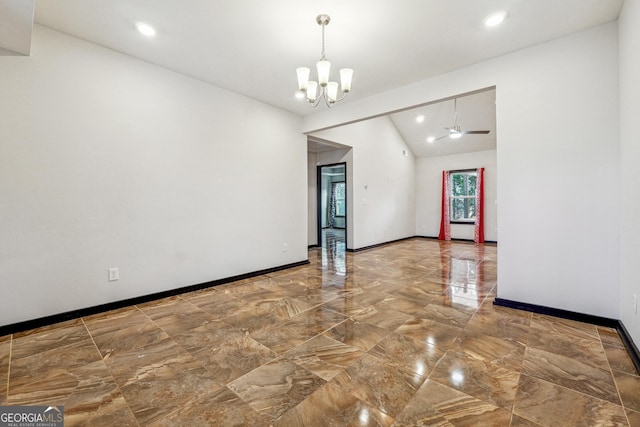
463, 196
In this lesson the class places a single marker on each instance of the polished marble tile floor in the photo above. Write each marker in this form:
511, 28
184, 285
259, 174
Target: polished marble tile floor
405, 335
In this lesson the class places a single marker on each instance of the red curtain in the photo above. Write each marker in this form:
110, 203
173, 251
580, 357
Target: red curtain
479, 224
445, 226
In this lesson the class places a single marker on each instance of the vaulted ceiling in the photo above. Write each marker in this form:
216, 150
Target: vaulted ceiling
253, 47
425, 128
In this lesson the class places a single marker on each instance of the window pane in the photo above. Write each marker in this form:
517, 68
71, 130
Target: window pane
463, 208
457, 209
471, 185
458, 185
470, 208
339, 190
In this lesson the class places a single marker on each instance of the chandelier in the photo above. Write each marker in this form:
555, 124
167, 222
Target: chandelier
328, 89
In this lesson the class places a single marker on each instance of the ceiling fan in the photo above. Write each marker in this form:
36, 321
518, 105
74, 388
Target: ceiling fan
455, 131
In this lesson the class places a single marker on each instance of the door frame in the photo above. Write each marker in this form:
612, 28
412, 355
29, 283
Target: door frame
319, 201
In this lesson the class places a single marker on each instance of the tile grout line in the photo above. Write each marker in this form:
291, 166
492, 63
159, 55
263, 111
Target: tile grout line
515, 397
9, 366
578, 391
575, 391
615, 383
524, 356
282, 357
109, 369
187, 351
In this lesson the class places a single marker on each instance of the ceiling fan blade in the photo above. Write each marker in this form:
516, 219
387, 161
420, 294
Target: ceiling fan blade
475, 132
440, 137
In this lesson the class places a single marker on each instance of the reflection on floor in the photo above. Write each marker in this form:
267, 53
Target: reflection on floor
404, 334
334, 246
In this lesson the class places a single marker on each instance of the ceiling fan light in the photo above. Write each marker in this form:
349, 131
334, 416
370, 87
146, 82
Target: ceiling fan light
455, 135
431, 139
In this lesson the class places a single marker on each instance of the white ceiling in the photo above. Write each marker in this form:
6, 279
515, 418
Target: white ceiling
253, 47
475, 112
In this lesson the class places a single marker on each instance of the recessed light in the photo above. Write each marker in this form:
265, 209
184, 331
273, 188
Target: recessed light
495, 19
431, 139
146, 29
299, 94
420, 119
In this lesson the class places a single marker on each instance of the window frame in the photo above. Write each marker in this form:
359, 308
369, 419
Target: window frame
452, 198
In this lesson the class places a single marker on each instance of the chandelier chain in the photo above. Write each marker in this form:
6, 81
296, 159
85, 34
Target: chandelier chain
322, 53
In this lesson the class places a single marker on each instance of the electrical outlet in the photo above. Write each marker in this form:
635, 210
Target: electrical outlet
114, 274
285, 248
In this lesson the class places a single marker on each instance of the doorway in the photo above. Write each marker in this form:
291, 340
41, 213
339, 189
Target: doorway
332, 206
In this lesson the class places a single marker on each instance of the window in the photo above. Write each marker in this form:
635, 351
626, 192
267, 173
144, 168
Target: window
463, 196
339, 192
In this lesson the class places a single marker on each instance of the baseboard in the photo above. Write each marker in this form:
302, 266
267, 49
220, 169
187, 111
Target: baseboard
88, 311
491, 242
426, 237
632, 349
556, 312
377, 245
634, 353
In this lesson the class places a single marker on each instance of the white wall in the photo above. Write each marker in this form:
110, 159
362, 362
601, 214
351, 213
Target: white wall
107, 161
558, 160
629, 51
429, 193
380, 182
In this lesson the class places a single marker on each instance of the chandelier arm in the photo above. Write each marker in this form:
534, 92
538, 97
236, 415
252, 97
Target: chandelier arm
314, 103
328, 102
344, 95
